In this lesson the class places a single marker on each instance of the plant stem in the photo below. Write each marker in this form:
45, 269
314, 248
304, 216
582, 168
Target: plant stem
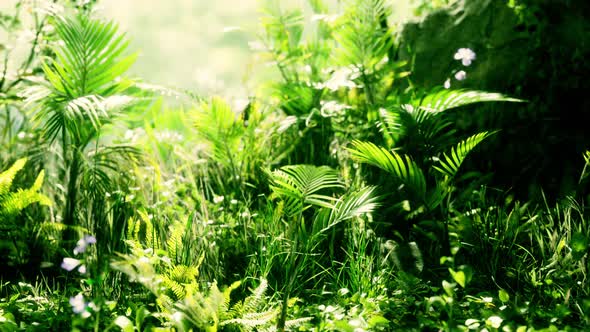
69, 217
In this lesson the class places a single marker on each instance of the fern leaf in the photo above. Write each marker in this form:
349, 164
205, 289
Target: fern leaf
174, 243
400, 166
449, 164
253, 301
7, 176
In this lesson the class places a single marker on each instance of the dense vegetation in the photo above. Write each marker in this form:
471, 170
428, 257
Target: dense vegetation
348, 194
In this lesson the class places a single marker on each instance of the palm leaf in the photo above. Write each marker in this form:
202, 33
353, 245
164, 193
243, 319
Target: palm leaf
440, 101
401, 166
449, 164
352, 205
89, 60
300, 186
362, 41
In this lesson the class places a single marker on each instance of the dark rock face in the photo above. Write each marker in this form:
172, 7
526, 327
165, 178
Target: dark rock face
536, 50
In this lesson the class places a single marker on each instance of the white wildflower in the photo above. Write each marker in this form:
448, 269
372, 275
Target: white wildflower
466, 55
447, 84
460, 75
83, 243
69, 264
78, 304
494, 321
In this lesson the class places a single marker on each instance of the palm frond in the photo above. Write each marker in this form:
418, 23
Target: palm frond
284, 28
442, 100
354, 204
362, 41
221, 128
449, 164
400, 166
300, 186
90, 59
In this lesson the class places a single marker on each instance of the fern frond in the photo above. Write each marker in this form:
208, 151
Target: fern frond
449, 164
253, 302
11, 203
7, 177
174, 243
252, 319
221, 128
400, 166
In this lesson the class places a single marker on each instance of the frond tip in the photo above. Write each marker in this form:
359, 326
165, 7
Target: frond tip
449, 164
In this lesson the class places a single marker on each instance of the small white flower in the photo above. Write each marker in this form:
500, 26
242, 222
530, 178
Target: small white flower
466, 55
460, 75
69, 264
494, 321
78, 304
83, 243
82, 269
447, 84
218, 199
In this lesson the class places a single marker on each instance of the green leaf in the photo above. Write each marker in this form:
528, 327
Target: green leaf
300, 185
440, 101
449, 164
400, 166
503, 295
459, 277
124, 323
449, 288
463, 276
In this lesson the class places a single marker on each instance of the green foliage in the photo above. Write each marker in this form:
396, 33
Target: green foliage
14, 225
12, 202
274, 193
401, 166
299, 187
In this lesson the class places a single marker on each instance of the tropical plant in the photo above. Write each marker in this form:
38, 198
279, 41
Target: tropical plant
13, 225
431, 158
311, 215
83, 92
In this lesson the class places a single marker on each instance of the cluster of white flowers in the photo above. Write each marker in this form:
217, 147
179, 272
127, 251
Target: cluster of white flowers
466, 56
